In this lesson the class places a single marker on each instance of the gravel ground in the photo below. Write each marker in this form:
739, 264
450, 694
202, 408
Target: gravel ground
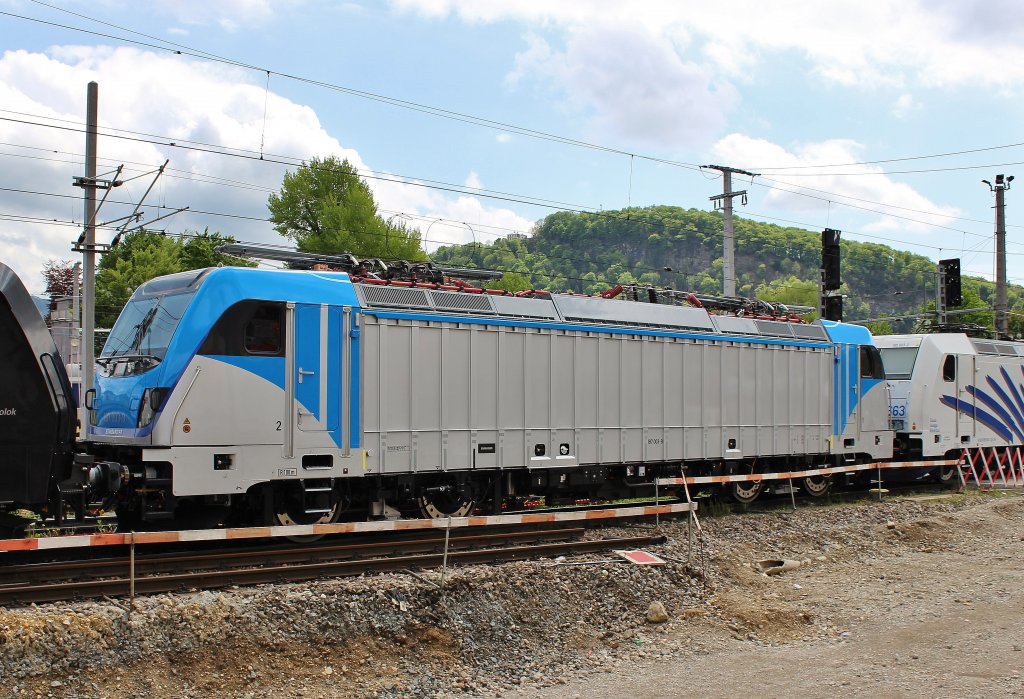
897, 598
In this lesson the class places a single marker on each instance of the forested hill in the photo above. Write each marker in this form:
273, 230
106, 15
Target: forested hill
671, 247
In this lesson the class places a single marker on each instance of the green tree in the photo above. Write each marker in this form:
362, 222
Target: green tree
200, 251
880, 327
140, 257
972, 299
325, 207
798, 292
143, 255
583, 251
511, 281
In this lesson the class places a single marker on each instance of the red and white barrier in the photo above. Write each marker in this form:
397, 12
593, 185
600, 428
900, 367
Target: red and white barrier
170, 537
787, 475
987, 467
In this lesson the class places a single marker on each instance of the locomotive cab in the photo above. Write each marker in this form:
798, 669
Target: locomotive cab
37, 409
132, 378
899, 356
966, 392
859, 396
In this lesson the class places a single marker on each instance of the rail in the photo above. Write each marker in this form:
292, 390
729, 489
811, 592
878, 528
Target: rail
129, 576
241, 533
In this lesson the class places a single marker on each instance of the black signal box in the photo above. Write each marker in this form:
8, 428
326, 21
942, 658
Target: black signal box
830, 259
950, 269
834, 308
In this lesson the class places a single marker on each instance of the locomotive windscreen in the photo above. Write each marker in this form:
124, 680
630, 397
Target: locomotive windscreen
146, 325
36, 407
898, 361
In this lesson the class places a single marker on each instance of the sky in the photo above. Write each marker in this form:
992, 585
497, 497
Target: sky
474, 119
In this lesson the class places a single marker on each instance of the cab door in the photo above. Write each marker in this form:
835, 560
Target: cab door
315, 386
321, 381
874, 393
311, 367
876, 434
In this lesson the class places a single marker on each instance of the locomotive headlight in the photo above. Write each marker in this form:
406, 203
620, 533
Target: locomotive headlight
152, 399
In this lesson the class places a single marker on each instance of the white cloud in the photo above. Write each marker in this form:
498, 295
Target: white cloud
634, 83
473, 181
883, 42
503, 137
467, 220
536, 54
229, 15
179, 100
905, 106
444, 220
863, 186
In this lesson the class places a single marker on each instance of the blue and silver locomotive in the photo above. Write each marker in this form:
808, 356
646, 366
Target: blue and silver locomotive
286, 396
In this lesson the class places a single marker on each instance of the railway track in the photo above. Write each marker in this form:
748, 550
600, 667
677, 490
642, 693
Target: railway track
125, 575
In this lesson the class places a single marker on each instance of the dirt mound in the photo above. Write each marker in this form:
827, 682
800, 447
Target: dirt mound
533, 624
756, 617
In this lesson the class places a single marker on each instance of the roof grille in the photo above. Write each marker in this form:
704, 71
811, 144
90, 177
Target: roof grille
399, 296
774, 327
461, 302
809, 332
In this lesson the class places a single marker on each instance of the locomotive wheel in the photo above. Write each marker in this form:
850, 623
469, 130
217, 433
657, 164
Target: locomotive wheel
288, 510
287, 516
947, 477
817, 486
744, 492
437, 504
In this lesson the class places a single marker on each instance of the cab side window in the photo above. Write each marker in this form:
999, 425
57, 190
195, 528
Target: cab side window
248, 328
263, 332
949, 368
871, 363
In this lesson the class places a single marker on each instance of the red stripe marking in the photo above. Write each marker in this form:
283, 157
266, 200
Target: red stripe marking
19, 545
107, 539
153, 538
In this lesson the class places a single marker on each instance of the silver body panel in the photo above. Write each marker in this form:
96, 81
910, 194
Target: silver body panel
443, 395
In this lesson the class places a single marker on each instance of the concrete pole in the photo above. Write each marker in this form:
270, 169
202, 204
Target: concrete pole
728, 239
1001, 301
728, 232
89, 253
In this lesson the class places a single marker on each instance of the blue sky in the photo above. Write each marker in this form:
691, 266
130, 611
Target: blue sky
812, 95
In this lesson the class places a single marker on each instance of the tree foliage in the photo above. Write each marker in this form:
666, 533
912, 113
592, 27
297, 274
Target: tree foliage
325, 207
676, 248
143, 255
60, 278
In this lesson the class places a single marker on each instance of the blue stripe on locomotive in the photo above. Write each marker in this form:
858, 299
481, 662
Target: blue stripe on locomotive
847, 386
118, 397
1005, 421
